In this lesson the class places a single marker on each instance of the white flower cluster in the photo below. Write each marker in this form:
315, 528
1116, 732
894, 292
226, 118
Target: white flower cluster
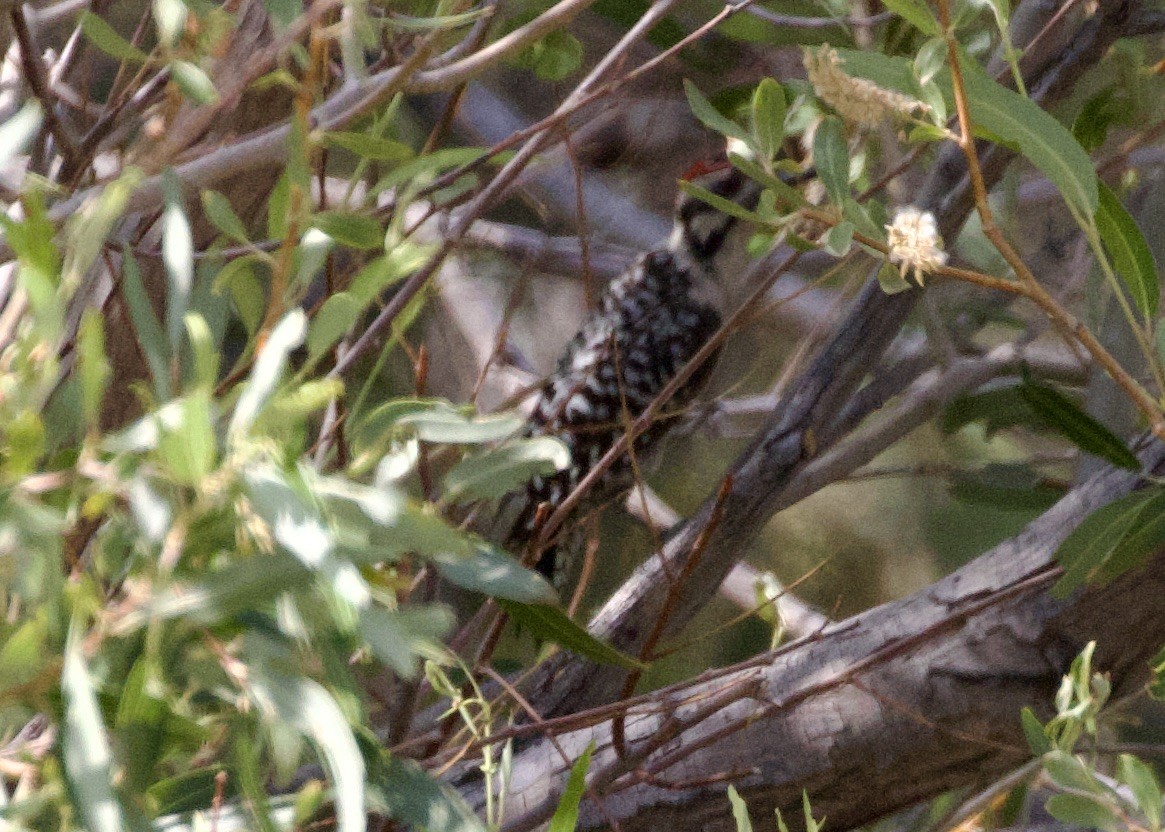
915, 245
857, 100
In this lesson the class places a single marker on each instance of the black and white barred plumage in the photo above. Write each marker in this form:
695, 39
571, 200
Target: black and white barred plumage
651, 321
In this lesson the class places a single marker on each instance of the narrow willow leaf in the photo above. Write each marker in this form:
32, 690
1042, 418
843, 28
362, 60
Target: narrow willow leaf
202, 345
1041, 139
718, 202
1142, 782
1085, 551
494, 573
105, 38
287, 335
1082, 811
787, 194
1130, 253
496, 471
1033, 730
441, 423
350, 229
703, 110
739, 811
552, 624
915, 13
93, 368
193, 82
768, 118
371, 147
401, 638
1097, 115
87, 755
219, 211
565, 817
313, 711
831, 157
1063, 415
178, 258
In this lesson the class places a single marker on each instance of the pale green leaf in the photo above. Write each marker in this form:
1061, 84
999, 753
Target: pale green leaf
496, 471
1130, 253
285, 337
551, 623
105, 38
711, 117
565, 818
831, 157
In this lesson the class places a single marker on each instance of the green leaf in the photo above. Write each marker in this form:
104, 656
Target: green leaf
248, 584
739, 811
330, 323
552, 624
1130, 253
1006, 486
105, 38
188, 451
419, 802
287, 335
202, 345
1033, 730
1041, 139
492, 572
87, 755
787, 194
370, 147
555, 56
313, 711
350, 229
147, 328
997, 407
441, 423
1062, 415
915, 13
1103, 534
831, 157
223, 217
1142, 782
1096, 116
178, 258
837, 240
170, 18
93, 368
768, 118
891, 280
246, 291
400, 638
283, 12
1068, 772
718, 202
709, 116
193, 82
565, 817
1083, 811
496, 471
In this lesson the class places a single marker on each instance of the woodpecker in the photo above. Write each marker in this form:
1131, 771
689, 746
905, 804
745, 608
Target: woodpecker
650, 322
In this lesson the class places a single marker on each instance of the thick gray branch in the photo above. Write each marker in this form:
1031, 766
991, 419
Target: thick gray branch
885, 709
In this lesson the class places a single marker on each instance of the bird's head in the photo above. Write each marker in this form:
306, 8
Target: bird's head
710, 242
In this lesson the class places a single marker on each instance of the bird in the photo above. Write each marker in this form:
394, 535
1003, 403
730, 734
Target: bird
649, 322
